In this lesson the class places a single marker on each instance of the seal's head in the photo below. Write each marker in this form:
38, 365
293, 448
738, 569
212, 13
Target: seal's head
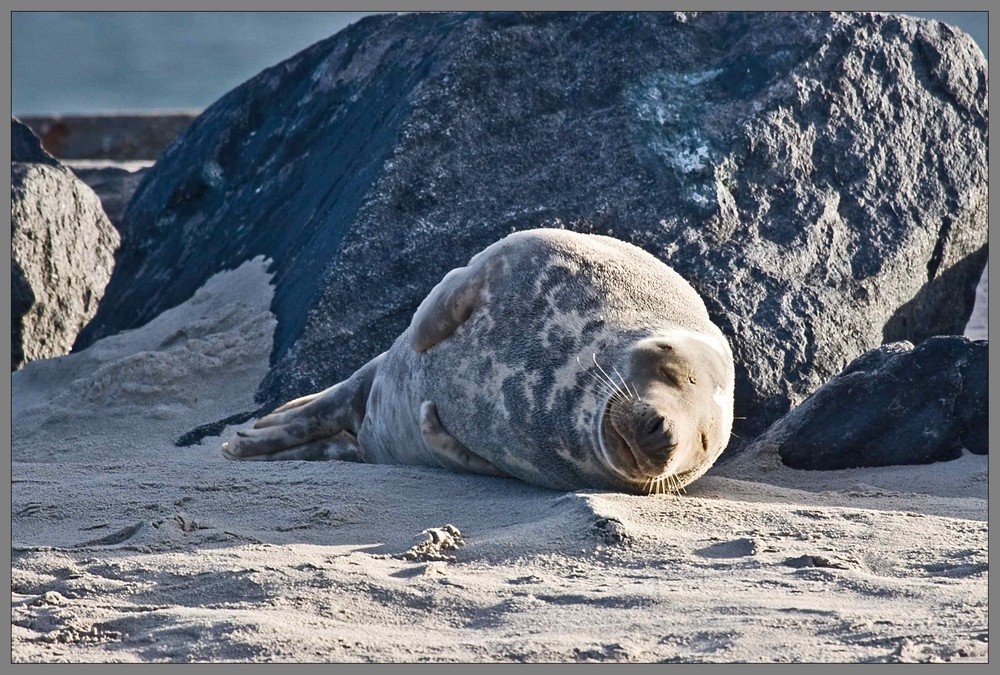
671, 413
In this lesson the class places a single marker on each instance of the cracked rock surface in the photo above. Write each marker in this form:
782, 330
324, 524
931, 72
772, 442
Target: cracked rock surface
62, 253
894, 405
821, 179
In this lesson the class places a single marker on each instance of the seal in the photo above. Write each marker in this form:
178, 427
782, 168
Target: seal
566, 360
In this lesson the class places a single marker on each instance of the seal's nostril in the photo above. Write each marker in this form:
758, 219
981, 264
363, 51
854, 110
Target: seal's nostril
655, 425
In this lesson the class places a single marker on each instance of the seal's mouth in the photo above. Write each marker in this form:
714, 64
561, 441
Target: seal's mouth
625, 456
617, 447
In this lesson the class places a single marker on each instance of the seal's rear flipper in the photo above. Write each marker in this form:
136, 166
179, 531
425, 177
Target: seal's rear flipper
298, 402
308, 427
449, 450
448, 305
343, 447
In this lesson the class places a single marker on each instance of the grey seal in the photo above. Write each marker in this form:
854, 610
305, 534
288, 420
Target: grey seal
566, 360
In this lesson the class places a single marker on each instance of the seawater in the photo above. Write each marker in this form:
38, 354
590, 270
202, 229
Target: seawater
98, 62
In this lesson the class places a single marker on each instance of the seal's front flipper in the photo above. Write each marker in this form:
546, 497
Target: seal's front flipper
448, 450
448, 305
309, 427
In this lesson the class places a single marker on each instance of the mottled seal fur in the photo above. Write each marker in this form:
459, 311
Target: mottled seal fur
567, 360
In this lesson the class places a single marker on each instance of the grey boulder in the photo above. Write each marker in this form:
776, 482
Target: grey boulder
62, 254
897, 404
114, 183
821, 179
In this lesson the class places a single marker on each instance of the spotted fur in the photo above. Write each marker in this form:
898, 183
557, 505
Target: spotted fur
505, 349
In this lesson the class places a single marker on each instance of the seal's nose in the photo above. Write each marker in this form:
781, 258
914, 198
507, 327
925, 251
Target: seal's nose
654, 436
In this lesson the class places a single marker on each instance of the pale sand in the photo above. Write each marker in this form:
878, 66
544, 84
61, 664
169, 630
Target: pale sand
127, 548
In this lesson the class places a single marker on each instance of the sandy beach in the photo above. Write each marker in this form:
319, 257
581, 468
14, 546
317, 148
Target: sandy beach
128, 548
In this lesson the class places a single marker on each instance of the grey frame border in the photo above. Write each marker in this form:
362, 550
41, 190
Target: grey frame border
449, 5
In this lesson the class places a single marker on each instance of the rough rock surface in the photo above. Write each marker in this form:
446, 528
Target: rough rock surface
821, 179
893, 405
62, 254
114, 184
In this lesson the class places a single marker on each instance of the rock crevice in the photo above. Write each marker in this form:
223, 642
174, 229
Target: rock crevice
796, 168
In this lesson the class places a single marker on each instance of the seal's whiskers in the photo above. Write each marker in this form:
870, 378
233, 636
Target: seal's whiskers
606, 376
606, 386
583, 388
676, 485
603, 387
605, 379
625, 383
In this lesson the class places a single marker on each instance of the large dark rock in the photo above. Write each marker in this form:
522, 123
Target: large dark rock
25, 146
821, 179
62, 254
893, 405
114, 183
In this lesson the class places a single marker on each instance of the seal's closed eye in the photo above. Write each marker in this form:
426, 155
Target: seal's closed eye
487, 380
